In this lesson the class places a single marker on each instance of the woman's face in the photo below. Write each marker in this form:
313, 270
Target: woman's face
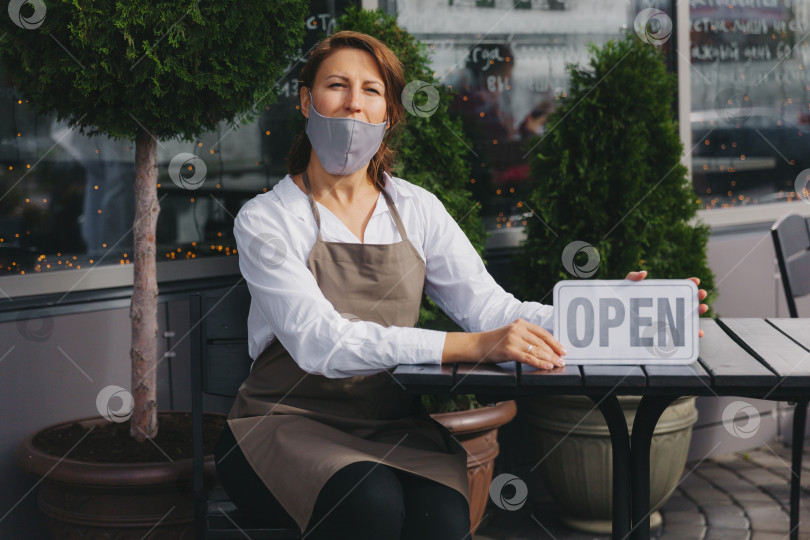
348, 85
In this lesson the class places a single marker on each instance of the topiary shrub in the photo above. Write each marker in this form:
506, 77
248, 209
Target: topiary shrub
147, 70
608, 172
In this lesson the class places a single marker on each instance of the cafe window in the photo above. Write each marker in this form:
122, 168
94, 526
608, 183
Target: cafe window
750, 93
68, 198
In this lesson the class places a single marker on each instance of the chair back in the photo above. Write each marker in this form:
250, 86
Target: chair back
219, 364
791, 241
219, 332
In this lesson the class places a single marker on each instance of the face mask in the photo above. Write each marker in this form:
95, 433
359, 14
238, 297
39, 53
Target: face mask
344, 145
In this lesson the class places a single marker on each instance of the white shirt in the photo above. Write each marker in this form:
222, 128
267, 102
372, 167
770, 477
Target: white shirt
275, 232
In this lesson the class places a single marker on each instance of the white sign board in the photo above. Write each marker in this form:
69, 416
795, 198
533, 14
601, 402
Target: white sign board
653, 321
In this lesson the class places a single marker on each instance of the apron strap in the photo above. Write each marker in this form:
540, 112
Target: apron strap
395, 214
312, 204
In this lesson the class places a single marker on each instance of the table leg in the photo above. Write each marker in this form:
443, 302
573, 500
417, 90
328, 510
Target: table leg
799, 419
649, 411
620, 443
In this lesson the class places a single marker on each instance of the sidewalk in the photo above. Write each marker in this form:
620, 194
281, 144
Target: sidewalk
740, 496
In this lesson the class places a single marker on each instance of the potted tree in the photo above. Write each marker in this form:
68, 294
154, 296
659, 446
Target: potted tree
139, 71
608, 173
432, 151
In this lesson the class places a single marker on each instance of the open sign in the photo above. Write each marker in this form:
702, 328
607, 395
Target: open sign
654, 321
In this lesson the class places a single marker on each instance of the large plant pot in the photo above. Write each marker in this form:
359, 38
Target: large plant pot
124, 501
573, 445
477, 431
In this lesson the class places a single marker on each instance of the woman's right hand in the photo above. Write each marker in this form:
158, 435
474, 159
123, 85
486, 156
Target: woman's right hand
519, 340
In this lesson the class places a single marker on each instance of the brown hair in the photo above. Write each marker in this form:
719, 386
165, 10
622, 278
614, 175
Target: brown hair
392, 74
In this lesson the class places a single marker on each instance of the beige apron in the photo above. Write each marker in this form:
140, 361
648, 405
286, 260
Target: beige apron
297, 429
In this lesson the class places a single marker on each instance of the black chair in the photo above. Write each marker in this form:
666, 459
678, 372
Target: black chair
219, 364
791, 241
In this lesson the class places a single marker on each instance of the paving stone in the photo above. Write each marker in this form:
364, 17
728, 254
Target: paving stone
708, 468
785, 474
775, 527
768, 518
680, 518
804, 527
744, 463
726, 534
757, 535
694, 481
772, 511
763, 477
752, 495
779, 492
678, 502
683, 532
704, 498
786, 471
725, 517
723, 477
754, 507
767, 459
730, 458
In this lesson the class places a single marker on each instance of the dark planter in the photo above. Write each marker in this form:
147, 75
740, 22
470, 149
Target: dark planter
477, 431
124, 501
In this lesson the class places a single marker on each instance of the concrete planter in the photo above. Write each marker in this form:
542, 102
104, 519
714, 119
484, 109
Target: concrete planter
477, 431
573, 446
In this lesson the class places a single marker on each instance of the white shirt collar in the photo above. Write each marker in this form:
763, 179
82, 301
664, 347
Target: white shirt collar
297, 202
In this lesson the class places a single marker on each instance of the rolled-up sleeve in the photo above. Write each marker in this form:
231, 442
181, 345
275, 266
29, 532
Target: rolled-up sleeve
459, 283
318, 338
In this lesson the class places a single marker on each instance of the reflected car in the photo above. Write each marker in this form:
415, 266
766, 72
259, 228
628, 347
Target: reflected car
746, 154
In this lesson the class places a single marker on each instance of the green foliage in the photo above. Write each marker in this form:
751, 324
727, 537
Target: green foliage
433, 150
608, 172
175, 68
445, 403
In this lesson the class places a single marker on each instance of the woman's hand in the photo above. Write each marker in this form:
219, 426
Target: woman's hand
637, 276
702, 294
522, 341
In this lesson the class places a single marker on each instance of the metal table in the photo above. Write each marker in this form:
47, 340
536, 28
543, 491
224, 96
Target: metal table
755, 358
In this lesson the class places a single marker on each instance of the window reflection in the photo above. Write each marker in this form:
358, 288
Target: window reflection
750, 97
67, 201
506, 60
67, 197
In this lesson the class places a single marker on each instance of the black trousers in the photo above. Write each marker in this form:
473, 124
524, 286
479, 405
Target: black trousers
364, 500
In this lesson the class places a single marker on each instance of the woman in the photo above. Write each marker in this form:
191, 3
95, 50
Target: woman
337, 257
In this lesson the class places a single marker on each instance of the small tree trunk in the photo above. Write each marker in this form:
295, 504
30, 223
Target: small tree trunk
143, 307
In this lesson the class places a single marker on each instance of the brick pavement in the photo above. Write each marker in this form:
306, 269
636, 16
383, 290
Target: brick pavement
739, 496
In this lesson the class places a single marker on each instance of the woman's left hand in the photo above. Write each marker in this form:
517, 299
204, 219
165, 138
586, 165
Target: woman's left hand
703, 308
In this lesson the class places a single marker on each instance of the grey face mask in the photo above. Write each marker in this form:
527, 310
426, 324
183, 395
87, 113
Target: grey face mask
343, 145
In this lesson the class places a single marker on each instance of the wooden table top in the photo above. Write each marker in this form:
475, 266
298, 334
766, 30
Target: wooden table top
754, 357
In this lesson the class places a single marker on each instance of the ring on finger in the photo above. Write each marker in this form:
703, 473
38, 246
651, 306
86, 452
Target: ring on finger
529, 349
